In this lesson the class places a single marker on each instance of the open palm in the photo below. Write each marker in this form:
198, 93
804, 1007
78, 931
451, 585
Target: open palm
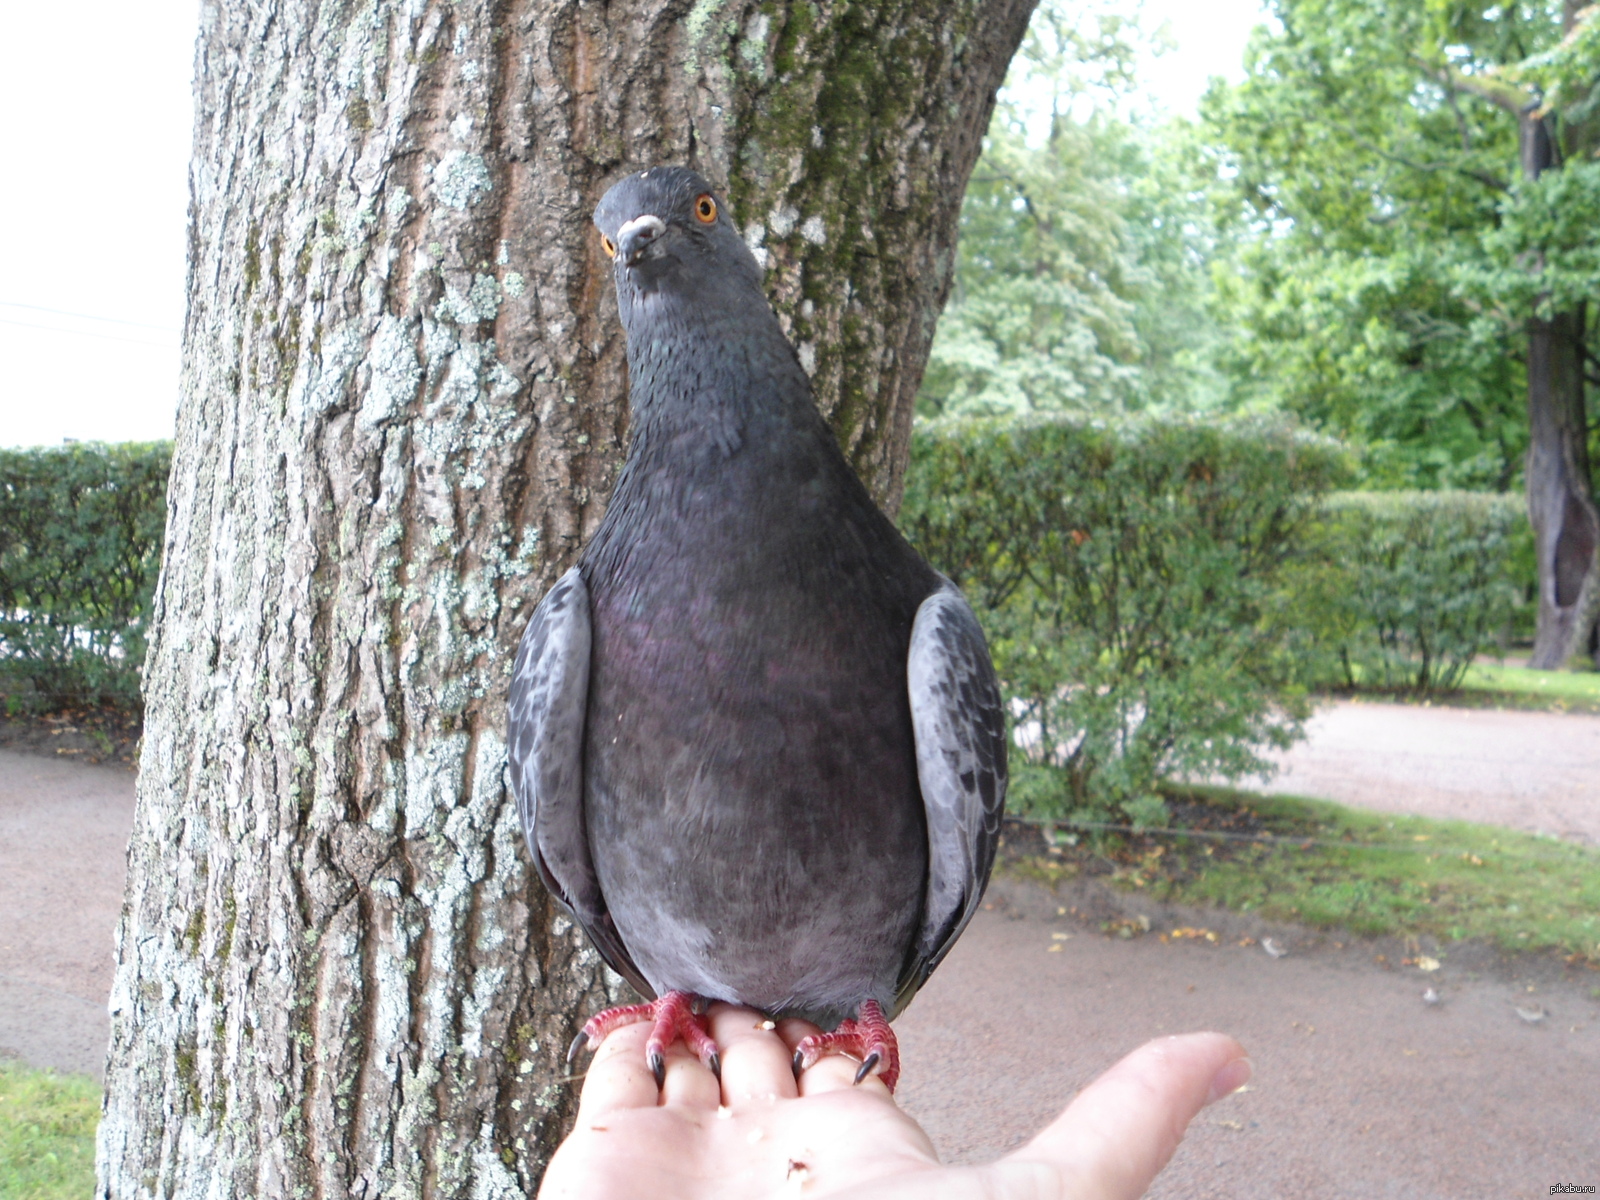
757, 1133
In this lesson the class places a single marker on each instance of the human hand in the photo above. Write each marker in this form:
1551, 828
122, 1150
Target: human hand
758, 1133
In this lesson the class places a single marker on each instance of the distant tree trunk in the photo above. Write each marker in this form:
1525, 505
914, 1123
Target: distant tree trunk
402, 409
1560, 485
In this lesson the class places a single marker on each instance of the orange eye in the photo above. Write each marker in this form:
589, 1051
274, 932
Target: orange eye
705, 208
608, 246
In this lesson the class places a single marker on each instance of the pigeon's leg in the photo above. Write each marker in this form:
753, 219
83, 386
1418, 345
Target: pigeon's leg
675, 1015
868, 1038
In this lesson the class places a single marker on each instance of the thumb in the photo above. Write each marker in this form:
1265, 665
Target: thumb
1119, 1132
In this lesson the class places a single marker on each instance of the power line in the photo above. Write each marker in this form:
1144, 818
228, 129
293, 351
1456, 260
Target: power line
61, 312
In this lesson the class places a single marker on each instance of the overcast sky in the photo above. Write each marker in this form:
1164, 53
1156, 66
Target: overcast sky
95, 137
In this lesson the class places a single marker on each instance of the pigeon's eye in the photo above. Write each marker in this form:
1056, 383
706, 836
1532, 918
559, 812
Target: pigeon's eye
705, 208
608, 246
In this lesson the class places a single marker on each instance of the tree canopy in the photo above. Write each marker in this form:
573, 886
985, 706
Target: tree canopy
1082, 283
1397, 251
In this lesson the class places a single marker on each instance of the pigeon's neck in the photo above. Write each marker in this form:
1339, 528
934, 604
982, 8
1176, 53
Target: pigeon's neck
704, 388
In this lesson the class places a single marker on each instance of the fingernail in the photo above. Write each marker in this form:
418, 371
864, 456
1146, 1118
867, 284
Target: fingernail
1230, 1079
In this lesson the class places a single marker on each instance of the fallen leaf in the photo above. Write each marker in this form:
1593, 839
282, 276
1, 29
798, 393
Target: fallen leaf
1425, 963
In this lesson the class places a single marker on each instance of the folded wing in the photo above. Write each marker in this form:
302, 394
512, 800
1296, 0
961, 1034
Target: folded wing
959, 724
549, 697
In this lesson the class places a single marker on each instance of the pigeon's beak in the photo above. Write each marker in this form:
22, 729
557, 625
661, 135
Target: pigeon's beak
636, 237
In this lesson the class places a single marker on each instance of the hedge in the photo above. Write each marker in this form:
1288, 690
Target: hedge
81, 531
1405, 589
1133, 581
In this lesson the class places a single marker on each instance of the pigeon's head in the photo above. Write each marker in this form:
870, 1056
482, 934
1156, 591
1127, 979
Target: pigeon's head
669, 237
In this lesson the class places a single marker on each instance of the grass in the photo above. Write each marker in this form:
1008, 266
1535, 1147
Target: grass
1352, 869
1578, 690
47, 1124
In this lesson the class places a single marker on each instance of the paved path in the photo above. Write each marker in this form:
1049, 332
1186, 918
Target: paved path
1361, 1089
63, 836
1526, 770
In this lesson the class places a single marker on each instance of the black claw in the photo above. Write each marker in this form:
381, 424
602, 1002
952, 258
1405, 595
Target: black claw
799, 1064
577, 1044
715, 1064
658, 1068
866, 1067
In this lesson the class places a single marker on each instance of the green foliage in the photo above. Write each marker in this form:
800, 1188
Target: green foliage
80, 546
1381, 350
1544, 255
47, 1124
1405, 589
1081, 283
1395, 254
1129, 579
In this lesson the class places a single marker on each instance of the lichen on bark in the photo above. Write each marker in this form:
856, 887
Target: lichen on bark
403, 406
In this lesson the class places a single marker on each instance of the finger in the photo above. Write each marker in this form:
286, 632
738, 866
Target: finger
1121, 1130
688, 1081
618, 1075
756, 1062
831, 1072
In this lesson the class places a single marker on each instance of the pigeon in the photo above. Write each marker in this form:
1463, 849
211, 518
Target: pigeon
756, 741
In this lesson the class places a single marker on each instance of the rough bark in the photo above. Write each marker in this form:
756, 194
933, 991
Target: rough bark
402, 409
1560, 487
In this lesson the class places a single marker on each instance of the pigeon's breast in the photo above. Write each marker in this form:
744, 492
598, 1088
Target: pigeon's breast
750, 772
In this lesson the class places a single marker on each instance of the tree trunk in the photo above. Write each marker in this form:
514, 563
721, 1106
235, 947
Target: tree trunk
402, 409
1560, 488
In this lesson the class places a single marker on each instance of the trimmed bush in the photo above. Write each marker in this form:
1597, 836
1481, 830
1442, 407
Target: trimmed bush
1131, 580
81, 531
1410, 587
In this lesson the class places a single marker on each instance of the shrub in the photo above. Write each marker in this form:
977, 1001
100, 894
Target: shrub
1129, 577
1410, 586
81, 529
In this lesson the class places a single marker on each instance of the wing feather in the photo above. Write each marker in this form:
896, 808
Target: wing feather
545, 728
959, 723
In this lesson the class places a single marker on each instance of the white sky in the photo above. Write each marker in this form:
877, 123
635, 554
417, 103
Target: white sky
95, 137
1210, 35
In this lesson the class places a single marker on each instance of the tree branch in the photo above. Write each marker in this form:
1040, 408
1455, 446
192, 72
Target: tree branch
1507, 96
1483, 177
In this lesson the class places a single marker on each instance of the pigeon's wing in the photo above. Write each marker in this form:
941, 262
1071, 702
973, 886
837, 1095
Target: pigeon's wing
549, 697
960, 732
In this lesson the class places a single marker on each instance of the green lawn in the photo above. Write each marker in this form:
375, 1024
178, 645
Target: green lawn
1361, 871
1574, 689
47, 1124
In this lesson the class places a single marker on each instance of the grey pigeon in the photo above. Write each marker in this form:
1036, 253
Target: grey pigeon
756, 740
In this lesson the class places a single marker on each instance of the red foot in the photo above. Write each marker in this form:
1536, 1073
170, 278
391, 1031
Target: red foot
677, 1014
868, 1038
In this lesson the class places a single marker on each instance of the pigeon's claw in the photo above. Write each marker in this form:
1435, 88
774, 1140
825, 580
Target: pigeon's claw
674, 1015
867, 1038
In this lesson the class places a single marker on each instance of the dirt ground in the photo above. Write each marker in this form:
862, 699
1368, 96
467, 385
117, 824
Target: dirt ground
1362, 1090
